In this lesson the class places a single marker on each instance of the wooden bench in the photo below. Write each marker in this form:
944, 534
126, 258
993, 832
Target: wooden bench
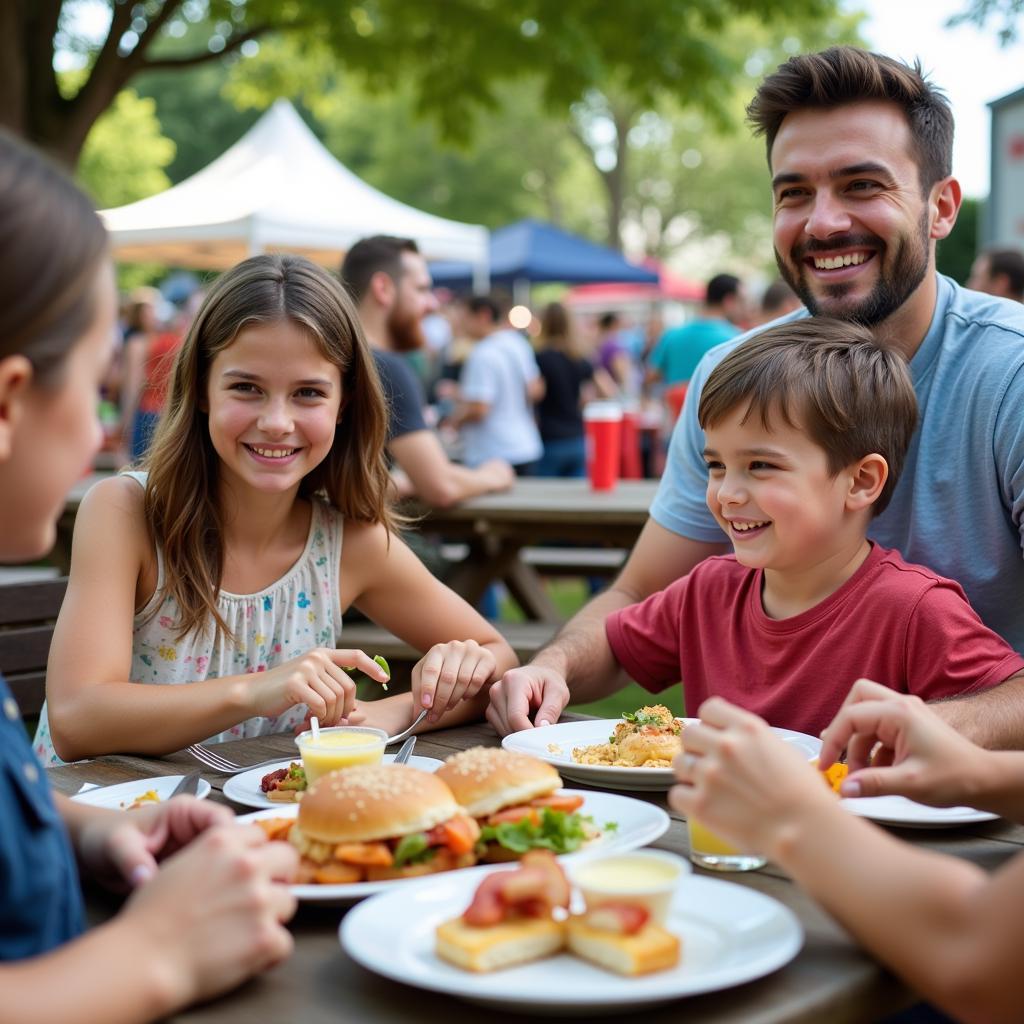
558, 561
28, 612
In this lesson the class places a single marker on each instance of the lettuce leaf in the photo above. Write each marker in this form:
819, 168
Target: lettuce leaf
556, 831
413, 849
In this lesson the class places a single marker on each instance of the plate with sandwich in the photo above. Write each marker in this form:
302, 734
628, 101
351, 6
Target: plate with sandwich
363, 829
522, 939
634, 752
281, 783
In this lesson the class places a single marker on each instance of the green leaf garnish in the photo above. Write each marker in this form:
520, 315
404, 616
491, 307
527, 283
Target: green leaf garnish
413, 850
556, 831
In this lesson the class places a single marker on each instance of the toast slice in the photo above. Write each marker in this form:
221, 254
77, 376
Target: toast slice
650, 949
501, 945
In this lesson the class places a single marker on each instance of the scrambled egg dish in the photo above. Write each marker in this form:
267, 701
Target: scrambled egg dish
648, 738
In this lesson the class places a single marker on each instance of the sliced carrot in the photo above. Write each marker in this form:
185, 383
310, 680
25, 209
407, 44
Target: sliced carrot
276, 828
514, 814
377, 854
557, 802
336, 873
458, 835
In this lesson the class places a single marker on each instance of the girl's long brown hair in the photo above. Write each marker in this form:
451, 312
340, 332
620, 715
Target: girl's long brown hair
182, 489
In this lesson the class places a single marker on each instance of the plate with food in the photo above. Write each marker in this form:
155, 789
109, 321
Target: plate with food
126, 796
282, 783
525, 939
901, 812
633, 753
364, 829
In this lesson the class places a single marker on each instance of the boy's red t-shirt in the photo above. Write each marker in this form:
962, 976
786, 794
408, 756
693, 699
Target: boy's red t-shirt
893, 622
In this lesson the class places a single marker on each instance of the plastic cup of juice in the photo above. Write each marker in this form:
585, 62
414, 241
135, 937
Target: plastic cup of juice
339, 747
708, 850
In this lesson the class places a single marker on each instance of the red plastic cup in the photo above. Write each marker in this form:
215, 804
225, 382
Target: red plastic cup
603, 423
631, 468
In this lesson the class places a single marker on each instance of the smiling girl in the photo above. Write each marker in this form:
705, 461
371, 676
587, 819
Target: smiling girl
261, 514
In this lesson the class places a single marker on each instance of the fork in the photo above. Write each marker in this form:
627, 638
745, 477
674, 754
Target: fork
221, 764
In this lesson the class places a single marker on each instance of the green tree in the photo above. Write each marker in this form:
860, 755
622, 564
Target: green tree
695, 176
978, 12
125, 155
456, 53
519, 160
187, 99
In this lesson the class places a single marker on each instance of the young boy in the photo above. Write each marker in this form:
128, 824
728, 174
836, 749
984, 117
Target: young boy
806, 427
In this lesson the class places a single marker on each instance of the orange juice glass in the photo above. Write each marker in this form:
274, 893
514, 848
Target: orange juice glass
708, 850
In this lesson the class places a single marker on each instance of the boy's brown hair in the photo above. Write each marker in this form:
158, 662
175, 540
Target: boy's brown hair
828, 377
847, 74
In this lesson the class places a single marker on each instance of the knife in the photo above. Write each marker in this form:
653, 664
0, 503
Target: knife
405, 751
188, 785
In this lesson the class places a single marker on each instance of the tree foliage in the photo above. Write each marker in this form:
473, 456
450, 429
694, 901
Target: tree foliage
125, 155
456, 54
1005, 12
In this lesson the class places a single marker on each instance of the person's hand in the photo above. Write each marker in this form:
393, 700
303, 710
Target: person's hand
522, 691
499, 474
214, 914
896, 744
121, 849
317, 679
450, 673
742, 781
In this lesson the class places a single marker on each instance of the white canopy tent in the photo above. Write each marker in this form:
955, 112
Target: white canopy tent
279, 189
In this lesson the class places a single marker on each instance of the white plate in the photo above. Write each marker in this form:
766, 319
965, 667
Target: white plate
555, 743
125, 793
898, 810
639, 823
731, 935
244, 788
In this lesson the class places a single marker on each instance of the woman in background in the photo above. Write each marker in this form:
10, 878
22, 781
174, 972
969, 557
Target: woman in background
569, 380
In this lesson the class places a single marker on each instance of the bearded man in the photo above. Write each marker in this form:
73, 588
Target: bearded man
389, 280
860, 151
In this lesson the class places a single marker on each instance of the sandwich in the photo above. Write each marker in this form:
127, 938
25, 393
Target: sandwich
621, 937
511, 919
382, 821
514, 799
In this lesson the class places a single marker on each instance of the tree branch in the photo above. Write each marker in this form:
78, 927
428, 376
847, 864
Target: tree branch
174, 63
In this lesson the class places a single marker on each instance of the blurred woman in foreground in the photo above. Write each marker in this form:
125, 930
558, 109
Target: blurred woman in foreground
209, 897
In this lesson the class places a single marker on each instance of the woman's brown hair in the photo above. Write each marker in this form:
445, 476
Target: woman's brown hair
557, 331
828, 377
54, 246
182, 489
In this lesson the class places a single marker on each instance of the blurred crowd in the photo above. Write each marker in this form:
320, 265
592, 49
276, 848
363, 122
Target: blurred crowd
481, 391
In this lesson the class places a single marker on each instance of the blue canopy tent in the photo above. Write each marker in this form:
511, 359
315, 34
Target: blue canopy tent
531, 252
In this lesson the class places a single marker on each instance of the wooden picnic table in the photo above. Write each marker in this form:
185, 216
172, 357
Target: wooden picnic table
496, 528
830, 979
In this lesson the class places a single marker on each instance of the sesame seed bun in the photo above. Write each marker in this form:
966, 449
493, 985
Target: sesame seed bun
370, 802
486, 779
